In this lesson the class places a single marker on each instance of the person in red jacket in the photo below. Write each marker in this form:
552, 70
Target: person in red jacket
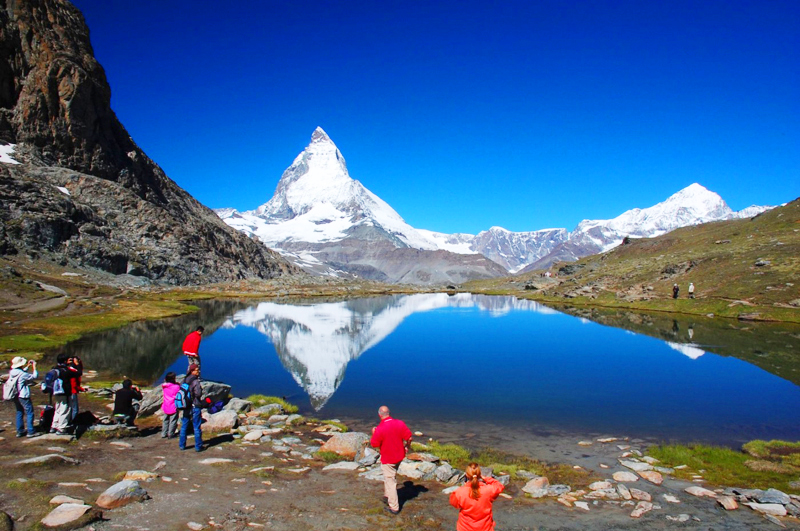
393, 438
191, 346
474, 500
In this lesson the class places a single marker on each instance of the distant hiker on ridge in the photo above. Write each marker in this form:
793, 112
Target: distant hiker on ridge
393, 438
191, 346
691, 290
675, 290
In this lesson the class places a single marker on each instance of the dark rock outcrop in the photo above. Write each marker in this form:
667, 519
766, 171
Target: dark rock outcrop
121, 214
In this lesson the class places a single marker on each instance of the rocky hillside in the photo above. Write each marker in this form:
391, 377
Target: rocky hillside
84, 194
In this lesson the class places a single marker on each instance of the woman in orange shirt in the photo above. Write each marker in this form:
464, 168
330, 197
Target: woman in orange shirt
474, 500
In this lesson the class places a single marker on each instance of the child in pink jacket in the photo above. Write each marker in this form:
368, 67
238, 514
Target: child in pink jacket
170, 423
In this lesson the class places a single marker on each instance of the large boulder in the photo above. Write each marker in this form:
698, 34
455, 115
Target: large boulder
122, 493
348, 445
239, 405
153, 398
222, 421
417, 469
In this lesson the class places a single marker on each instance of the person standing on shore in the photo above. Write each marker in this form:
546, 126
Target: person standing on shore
75, 366
191, 346
691, 290
675, 290
61, 391
23, 401
474, 500
193, 413
170, 424
393, 438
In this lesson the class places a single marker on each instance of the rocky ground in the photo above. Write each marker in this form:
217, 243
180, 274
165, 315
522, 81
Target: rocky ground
266, 473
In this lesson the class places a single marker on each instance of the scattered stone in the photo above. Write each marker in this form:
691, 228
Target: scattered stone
252, 436
640, 495
582, 505
444, 472
238, 405
224, 420
417, 469
140, 475
418, 434
122, 493
636, 465
537, 487
627, 477
194, 526
49, 458
374, 474
700, 492
348, 445
584, 443
58, 500
299, 470
121, 444
603, 465
600, 485
641, 508
69, 513
624, 447
215, 461
728, 502
774, 520
773, 509
652, 476
650, 460
342, 465
624, 493
450, 490
159, 465
72, 484
422, 456
680, 518
262, 469
670, 498
608, 440
557, 490
773, 496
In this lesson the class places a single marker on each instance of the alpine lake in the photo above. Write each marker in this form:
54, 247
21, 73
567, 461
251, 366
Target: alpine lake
491, 369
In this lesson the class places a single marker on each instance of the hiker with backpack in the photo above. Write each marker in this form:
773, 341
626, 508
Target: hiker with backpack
124, 406
189, 399
169, 389
75, 366
16, 389
57, 384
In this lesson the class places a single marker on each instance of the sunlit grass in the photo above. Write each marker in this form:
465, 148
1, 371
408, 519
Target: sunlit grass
262, 400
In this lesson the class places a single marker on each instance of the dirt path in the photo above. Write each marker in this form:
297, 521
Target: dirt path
229, 496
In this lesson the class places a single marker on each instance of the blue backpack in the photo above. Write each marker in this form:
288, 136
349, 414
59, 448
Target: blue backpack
183, 399
52, 383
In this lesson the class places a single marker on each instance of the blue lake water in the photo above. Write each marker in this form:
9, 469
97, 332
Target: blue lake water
469, 362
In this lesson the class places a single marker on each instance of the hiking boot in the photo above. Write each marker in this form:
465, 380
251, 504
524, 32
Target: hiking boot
32, 435
385, 500
21, 434
391, 511
61, 432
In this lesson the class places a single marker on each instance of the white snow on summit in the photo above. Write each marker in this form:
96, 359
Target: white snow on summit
5, 153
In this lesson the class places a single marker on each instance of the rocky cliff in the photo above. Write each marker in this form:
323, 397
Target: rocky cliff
85, 194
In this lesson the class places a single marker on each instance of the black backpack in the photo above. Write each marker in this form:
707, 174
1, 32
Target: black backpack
52, 382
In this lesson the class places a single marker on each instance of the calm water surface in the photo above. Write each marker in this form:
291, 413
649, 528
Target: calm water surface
476, 361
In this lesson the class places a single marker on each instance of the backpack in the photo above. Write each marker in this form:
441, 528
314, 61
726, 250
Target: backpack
10, 388
183, 399
52, 383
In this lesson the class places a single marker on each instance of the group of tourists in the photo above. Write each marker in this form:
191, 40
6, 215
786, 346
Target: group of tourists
63, 383
676, 289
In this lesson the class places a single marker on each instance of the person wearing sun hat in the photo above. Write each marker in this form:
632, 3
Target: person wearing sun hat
23, 401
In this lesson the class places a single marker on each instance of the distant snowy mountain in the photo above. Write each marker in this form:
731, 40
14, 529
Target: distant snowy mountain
328, 223
691, 206
325, 221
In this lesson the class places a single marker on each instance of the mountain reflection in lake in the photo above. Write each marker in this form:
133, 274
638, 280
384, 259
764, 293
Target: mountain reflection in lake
469, 359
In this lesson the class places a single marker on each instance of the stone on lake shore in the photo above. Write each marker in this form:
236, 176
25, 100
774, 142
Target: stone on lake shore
417, 469
49, 458
625, 477
773, 496
342, 465
140, 475
641, 508
215, 461
652, 476
772, 509
700, 492
624, 492
224, 420
252, 436
582, 505
640, 495
599, 485
238, 405
122, 493
58, 500
637, 466
70, 513
347, 445
728, 502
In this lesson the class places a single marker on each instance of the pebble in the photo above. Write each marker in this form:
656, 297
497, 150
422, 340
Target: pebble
670, 498
58, 500
72, 484
582, 505
641, 508
194, 526
627, 477
680, 518
584, 443
121, 445
700, 492
215, 461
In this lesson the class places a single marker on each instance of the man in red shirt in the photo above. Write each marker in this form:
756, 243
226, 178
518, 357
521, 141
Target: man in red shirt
191, 345
393, 438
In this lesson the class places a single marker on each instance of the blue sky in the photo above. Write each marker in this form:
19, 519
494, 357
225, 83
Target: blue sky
465, 114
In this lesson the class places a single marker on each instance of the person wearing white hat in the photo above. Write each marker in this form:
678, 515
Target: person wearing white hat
23, 401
